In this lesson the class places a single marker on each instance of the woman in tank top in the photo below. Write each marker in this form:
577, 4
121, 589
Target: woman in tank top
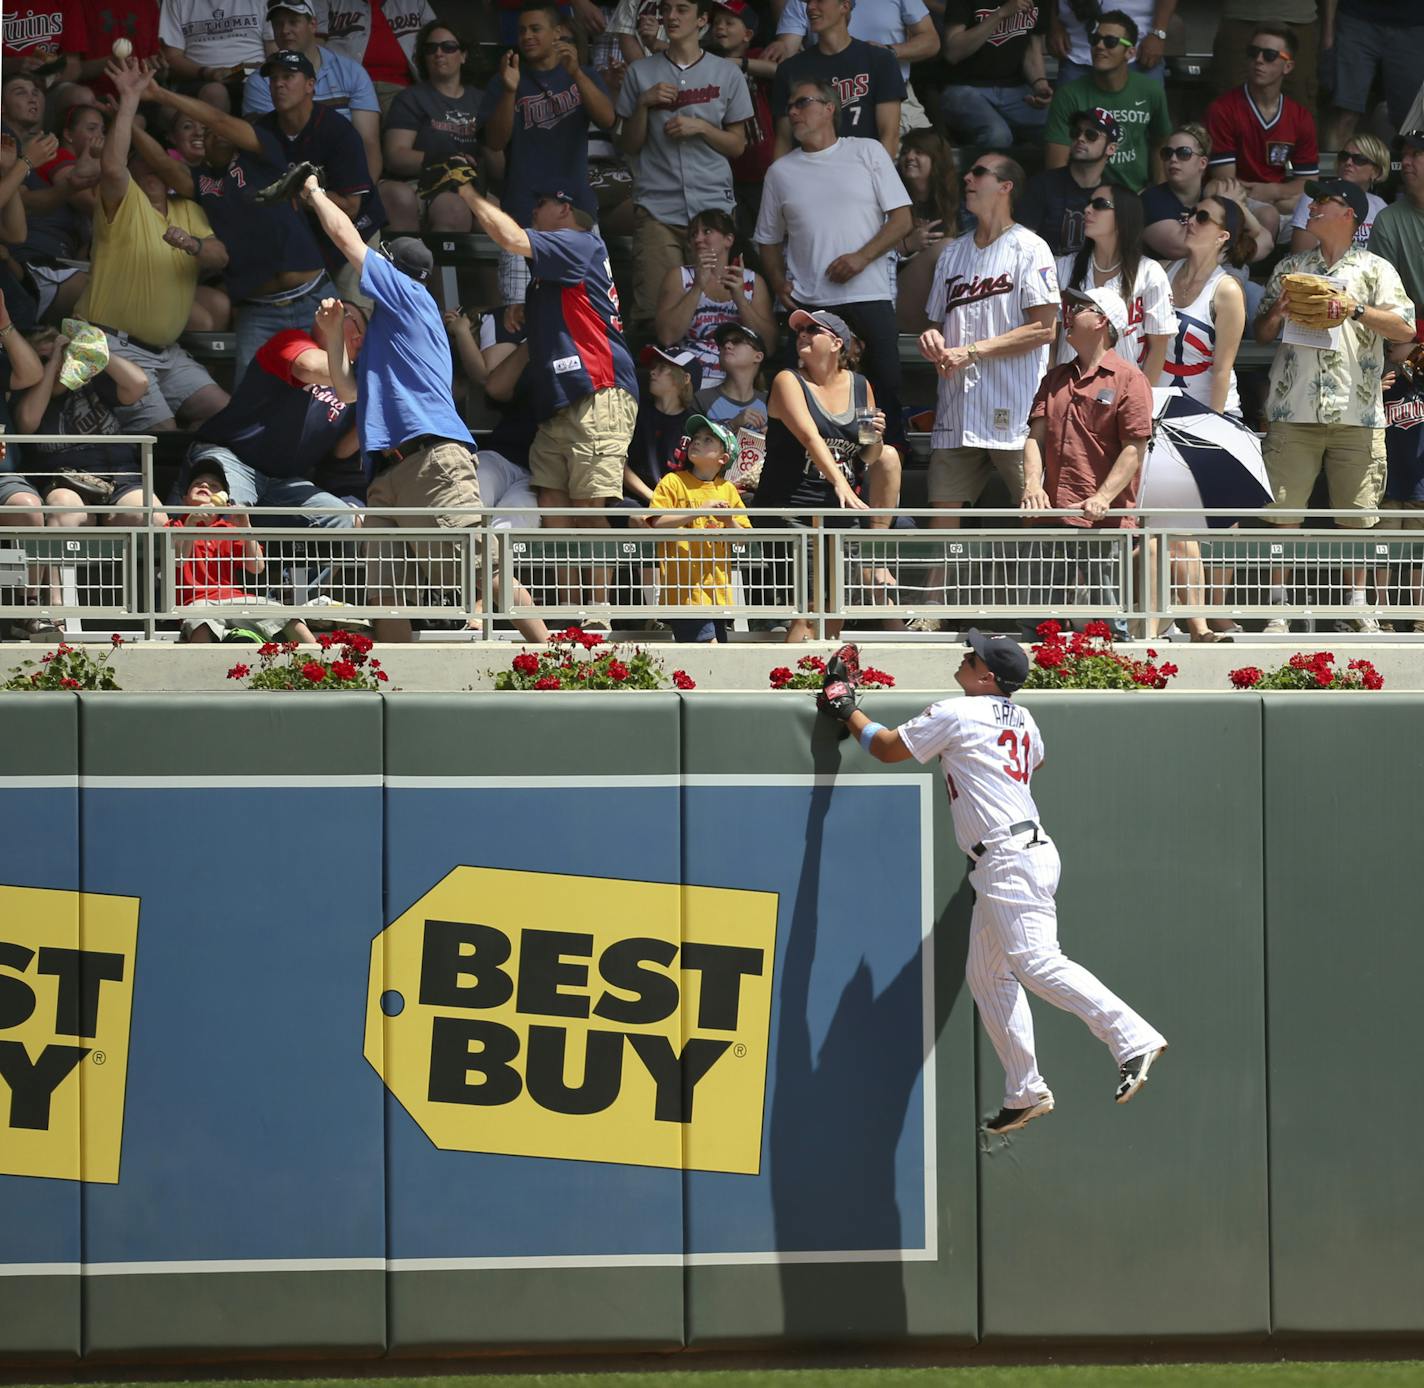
1112, 258
695, 300
816, 453
1211, 309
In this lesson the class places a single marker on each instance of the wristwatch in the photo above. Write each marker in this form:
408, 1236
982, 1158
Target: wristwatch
1358, 312
1158, 34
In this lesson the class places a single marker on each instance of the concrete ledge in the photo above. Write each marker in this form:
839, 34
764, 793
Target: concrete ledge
927, 666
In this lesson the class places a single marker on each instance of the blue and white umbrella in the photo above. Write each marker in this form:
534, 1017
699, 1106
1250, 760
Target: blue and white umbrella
1201, 459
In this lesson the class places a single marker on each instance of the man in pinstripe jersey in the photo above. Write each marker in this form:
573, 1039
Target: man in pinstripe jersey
989, 749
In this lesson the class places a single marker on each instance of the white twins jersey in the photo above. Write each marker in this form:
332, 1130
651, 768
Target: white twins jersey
1149, 309
983, 292
988, 748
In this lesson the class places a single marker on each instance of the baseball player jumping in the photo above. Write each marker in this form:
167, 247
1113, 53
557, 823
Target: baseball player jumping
989, 749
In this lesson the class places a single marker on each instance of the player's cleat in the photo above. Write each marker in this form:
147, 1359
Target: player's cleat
288, 185
1010, 1120
1133, 1074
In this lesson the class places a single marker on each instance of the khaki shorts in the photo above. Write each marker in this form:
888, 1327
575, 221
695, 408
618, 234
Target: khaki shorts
580, 451
959, 475
1352, 456
657, 248
435, 478
1408, 515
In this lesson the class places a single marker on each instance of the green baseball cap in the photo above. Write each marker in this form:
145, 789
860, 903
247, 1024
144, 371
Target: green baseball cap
728, 438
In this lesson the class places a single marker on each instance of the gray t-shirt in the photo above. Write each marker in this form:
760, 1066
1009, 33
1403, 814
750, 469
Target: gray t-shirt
676, 179
824, 204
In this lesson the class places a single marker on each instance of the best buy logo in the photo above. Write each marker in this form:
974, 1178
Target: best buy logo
66, 993
587, 1018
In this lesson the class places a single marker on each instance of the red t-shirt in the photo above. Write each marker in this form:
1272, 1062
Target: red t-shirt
1262, 149
751, 164
42, 30
384, 59
213, 567
107, 20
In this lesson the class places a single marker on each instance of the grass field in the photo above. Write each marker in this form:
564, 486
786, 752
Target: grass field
1394, 1374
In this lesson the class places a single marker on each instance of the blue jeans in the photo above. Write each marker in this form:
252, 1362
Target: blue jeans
1068, 70
255, 323
253, 488
990, 117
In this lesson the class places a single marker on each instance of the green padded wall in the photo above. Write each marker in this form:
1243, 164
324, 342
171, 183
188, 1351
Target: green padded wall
1148, 1219
39, 755
1344, 955
780, 734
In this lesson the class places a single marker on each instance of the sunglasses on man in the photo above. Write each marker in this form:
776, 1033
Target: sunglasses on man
983, 171
1110, 41
1179, 152
1088, 132
1266, 55
802, 102
442, 46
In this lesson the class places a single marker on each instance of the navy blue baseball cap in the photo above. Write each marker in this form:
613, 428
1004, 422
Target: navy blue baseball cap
288, 60
1351, 194
1005, 659
409, 256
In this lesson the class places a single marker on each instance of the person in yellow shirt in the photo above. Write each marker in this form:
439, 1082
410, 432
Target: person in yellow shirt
148, 252
694, 573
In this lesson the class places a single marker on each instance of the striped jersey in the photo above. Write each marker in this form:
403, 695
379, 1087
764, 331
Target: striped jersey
573, 322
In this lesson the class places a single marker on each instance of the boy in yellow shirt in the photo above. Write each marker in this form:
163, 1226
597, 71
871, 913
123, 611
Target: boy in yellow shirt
695, 574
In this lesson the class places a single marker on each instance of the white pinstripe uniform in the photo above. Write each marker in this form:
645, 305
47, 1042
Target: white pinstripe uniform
982, 292
1149, 309
989, 747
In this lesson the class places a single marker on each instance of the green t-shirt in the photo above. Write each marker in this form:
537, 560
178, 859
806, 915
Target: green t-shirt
1398, 237
1140, 110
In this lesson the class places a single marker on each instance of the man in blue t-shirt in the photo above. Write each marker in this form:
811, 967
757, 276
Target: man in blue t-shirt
415, 447
583, 384
285, 419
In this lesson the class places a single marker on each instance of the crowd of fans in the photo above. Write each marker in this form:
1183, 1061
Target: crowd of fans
801, 182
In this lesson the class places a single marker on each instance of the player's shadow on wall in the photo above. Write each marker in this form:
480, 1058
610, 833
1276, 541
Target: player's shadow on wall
838, 1112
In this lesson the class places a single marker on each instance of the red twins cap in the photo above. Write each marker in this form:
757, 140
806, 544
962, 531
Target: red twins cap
1006, 660
736, 7
1099, 119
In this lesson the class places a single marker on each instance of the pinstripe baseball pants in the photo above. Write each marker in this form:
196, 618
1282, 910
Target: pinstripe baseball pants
1013, 945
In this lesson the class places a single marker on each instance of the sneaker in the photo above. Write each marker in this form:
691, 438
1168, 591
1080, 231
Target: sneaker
1368, 625
1133, 1074
923, 624
1419, 628
1277, 626
1009, 1120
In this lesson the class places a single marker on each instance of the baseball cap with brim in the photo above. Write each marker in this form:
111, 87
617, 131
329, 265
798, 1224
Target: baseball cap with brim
740, 8
410, 257
288, 60
1351, 194
805, 318
1006, 660
726, 330
303, 7
581, 215
674, 356
1411, 139
1107, 301
1099, 119
728, 438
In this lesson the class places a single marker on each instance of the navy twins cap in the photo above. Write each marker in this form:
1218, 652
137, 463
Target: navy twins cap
288, 60
1006, 660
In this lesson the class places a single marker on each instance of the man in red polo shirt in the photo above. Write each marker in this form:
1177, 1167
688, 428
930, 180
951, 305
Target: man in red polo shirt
1089, 426
1258, 134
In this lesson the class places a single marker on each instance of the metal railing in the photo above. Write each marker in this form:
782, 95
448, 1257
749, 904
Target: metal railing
809, 566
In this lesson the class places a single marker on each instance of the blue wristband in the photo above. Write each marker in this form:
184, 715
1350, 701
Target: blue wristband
867, 734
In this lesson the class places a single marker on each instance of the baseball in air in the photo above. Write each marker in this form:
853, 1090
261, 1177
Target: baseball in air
121, 49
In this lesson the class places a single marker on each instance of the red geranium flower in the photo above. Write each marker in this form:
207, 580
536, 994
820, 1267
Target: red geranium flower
359, 643
1049, 657
343, 669
526, 664
1247, 677
69, 683
268, 648
117, 639
1048, 630
238, 672
1101, 631
546, 682
314, 671
381, 675
685, 681
781, 677
617, 671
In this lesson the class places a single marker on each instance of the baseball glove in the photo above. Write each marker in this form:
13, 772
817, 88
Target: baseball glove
447, 176
838, 687
1309, 299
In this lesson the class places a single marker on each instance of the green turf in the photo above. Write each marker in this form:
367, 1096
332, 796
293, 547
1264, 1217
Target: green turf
1300, 1375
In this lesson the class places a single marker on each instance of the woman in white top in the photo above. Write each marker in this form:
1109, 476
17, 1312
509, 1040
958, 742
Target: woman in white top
1210, 306
1364, 161
695, 300
1112, 258
1211, 317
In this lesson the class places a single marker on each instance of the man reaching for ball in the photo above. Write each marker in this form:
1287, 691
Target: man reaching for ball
989, 749
1325, 408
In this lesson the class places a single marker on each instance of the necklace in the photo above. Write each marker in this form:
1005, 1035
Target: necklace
1106, 269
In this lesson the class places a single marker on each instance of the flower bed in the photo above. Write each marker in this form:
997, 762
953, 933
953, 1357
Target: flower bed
1313, 670
578, 659
344, 662
810, 671
1086, 660
67, 667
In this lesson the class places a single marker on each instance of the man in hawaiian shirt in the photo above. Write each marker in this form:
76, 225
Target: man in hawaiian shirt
1324, 409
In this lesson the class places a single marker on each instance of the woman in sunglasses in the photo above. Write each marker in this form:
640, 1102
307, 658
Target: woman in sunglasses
1112, 258
429, 121
1363, 161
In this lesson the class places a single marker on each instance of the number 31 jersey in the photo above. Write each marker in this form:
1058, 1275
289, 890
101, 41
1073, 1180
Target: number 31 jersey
989, 748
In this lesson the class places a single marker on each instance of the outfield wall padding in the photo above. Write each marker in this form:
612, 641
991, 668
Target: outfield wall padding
396, 1041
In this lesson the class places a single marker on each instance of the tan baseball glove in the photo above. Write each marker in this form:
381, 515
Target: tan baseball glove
1313, 302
